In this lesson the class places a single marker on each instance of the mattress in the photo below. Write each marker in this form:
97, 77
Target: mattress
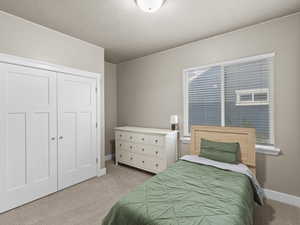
187, 194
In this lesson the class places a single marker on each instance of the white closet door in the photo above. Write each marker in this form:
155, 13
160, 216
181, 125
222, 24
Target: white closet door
28, 145
76, 129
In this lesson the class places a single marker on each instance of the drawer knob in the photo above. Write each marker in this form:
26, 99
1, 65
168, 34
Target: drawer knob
120, 145
130, 137
156, 165
130, 147
143, 161
143, 149
131, 158
143, 139
156, 141
121, 135
121, 156
156, 152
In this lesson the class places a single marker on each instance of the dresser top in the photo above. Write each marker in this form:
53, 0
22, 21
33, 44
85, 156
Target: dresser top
146, 130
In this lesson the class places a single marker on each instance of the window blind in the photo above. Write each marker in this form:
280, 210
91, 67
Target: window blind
236, 93
252, 79
204, 96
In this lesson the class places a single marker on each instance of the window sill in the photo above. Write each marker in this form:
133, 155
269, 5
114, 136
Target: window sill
263, 149
268, 150
185, 140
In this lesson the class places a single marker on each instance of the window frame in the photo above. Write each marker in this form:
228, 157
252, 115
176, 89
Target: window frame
186, 132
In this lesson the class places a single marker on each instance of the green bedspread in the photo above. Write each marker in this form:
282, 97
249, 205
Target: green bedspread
187, 194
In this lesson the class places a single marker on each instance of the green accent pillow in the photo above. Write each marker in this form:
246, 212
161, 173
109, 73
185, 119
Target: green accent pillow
220, 151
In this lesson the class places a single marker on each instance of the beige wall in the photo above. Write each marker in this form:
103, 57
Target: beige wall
150, 89
110, 105
22, 38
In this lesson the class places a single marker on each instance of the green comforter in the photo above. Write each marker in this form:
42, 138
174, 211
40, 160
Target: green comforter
187, 194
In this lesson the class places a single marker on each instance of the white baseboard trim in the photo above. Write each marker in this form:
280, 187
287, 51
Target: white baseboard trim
109, 157
282, 197
101, 172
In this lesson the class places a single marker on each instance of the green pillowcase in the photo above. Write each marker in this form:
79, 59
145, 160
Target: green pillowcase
220, 151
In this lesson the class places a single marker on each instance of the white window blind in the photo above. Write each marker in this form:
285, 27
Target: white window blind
204, 96
254, 79
236, 93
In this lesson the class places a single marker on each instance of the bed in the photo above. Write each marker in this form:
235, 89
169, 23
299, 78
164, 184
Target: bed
190, 193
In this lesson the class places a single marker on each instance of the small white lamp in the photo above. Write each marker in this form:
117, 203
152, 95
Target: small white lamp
174, 122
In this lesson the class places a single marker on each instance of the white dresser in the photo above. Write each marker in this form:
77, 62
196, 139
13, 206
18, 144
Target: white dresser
148, 149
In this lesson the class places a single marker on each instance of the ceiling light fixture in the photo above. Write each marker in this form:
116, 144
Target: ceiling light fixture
150, 6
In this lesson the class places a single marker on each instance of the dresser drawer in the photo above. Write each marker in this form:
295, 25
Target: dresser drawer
141, 161
120, 135
122, 145
141, 149
131, 147
141, 139
126, 136
155, 140
154, 151
131, 137
149, 163
157, 165
123, 156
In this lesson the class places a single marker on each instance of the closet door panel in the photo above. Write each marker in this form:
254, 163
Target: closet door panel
16, 156
32, 89
28, 152
85, 134
39, 155
68, 144
77, 129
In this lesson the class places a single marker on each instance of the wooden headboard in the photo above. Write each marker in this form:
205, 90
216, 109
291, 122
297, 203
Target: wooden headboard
245, 136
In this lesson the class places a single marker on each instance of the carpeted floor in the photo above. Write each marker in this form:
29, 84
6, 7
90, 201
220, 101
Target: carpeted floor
87, 203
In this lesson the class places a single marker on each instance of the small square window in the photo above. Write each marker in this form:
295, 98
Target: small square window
252, 97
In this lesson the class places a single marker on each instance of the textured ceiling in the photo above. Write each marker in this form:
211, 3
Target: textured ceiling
126, 32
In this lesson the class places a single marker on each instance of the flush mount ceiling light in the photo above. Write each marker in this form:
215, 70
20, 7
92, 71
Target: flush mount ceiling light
150, 6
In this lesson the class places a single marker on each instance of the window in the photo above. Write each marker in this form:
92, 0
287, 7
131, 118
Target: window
252, 97
236, 93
